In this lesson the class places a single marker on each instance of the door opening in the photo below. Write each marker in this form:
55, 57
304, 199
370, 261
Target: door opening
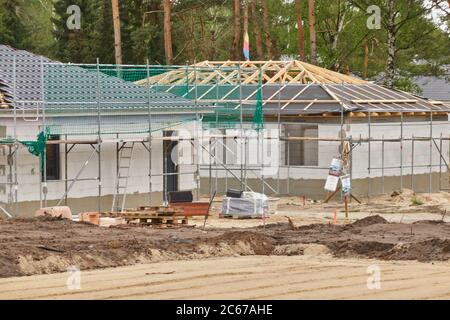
170, 167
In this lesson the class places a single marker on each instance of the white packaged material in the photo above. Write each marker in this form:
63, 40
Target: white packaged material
250, 204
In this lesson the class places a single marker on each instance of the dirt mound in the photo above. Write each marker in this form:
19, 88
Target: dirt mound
372, 249
406, 196
37, 246
425, 251
368, 221
259, 243
433, 222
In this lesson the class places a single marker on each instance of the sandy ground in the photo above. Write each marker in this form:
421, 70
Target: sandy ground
240, 259
402, 207
252, 277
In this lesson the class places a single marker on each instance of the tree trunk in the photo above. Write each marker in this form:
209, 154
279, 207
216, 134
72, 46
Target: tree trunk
167, 32
300, 32
266, 26
312, 32
366, 60
256, 31
236, 30
117, 36
448, 20
390, 67
205, 49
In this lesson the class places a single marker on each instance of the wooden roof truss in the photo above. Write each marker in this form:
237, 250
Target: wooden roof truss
248, 72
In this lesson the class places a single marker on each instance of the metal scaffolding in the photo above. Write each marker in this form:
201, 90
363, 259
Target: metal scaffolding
128, 106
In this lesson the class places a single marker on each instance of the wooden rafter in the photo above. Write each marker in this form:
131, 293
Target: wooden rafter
227, 72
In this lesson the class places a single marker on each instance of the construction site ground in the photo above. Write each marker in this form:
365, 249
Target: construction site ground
406, 235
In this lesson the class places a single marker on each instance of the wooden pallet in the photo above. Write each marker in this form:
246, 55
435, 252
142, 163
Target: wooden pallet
160, 219
238, 217
146, 211
160, 222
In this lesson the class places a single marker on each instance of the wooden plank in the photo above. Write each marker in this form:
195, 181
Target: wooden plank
361, 101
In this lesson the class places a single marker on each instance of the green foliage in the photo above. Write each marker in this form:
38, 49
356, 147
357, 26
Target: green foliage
12, 29
405, 83
416, 201
202, 30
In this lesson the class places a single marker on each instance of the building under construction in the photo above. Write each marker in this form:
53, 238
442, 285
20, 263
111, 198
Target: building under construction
106, 137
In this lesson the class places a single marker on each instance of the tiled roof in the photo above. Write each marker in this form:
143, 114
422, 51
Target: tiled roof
66, 87
436, 88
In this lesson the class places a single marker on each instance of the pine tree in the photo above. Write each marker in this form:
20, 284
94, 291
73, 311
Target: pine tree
12, 30
77, 45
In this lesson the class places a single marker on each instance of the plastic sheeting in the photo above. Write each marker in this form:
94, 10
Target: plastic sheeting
250, 204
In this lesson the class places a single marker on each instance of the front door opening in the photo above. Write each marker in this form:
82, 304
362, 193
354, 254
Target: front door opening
170, 167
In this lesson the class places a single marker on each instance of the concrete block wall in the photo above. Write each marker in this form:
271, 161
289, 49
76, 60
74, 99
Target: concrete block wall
301, 176
28, 167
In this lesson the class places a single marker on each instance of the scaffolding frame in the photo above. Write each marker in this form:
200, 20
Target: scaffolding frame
241, 173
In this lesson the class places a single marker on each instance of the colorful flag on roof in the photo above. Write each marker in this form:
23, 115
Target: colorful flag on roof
246, 47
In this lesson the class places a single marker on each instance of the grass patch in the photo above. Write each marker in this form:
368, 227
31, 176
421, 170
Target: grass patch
416, 201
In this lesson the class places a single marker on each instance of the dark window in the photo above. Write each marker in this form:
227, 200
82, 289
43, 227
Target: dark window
301, 153
53, 160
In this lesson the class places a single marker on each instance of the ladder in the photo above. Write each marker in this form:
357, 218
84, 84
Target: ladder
123, 173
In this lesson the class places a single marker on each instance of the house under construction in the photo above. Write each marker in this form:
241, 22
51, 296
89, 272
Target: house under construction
104, 137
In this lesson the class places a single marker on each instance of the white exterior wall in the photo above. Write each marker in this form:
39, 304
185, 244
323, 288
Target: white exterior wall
394, 155
392, 150
328, 149
28, 167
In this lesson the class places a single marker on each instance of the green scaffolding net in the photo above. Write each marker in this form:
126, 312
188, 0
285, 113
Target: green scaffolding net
37, 147
258, 117
109, 99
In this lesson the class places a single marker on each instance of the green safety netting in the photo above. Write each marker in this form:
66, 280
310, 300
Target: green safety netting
37, 147
220, 102
258, 118
131, 74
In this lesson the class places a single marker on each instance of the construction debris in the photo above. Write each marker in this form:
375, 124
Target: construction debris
56, 212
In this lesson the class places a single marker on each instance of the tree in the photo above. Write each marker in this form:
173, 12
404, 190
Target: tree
300, 32
117, 35
391, 32
410, 34
256, 30
266, 25
12, 30
168, 32
312, 32
201, 31
79, 45
235, 52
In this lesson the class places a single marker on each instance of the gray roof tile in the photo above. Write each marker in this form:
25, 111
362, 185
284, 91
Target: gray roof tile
68, 87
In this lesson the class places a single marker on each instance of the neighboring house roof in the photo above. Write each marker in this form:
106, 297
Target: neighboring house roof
436, 88
71, 88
